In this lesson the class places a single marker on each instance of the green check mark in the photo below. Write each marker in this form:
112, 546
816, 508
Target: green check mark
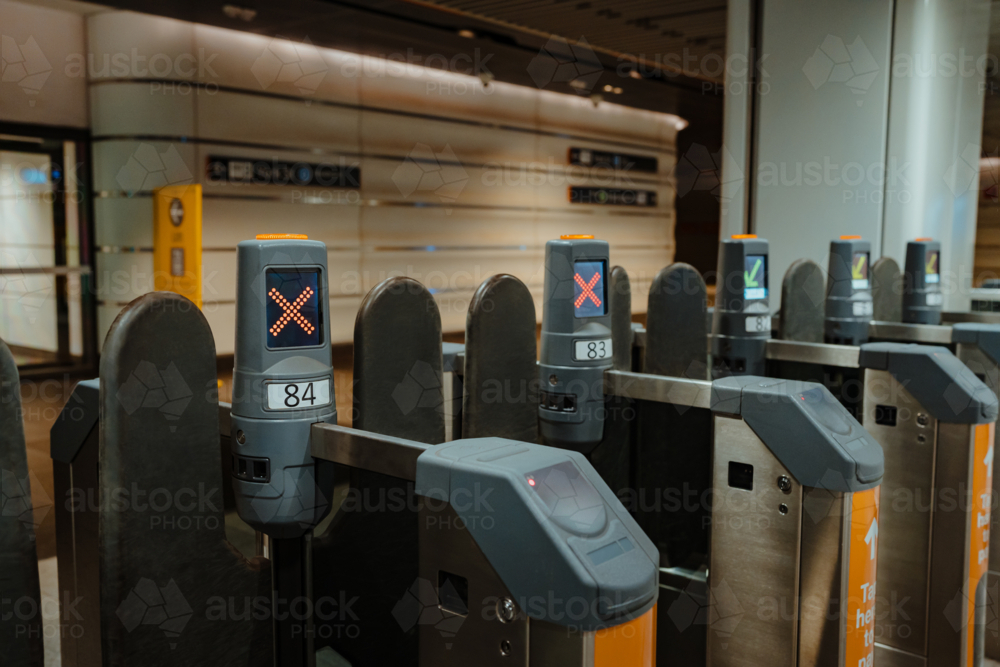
750, 280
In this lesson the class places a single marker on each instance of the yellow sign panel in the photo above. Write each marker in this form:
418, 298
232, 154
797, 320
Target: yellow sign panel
177, 240
862, 561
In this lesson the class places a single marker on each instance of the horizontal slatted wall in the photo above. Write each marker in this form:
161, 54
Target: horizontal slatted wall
458, 181
987, 262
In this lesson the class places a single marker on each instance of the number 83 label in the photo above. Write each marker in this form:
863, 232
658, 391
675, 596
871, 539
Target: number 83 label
298, 395
591, 350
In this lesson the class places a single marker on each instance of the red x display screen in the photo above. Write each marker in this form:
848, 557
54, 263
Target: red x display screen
294, 316
590, 293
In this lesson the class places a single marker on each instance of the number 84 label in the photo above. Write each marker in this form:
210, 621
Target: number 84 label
298, 395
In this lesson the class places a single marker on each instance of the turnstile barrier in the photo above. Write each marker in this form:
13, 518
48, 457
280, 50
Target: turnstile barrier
500, 390
141, 528
398, 392
525, 555
802, 299
795, 527
21, 604
928, 411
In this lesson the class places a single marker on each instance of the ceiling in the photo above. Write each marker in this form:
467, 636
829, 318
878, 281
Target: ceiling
604, 38
676, 35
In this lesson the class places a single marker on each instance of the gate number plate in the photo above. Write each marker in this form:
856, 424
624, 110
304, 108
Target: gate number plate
298, 395
591, 350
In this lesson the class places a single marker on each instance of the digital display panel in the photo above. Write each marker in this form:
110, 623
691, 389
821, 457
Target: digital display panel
590, 293
294, 316
859, 270
755, 277
932, 269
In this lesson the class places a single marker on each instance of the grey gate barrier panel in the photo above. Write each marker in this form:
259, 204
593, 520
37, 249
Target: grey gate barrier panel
21, 622
620, 296
74, 449
612, 457
368, 555
173, 590
501, 380
887, 290
676, 313
673, 452
803, 296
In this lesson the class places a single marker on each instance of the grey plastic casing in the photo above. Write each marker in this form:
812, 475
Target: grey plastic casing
806, 429
916, 289
580, 546
735, 351
984, 336
291, 501
937, 380
841, 325
582, 428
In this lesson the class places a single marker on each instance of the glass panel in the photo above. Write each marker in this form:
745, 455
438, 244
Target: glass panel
27, 300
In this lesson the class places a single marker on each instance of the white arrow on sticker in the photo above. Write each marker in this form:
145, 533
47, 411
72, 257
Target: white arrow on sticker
872, 537
989, 457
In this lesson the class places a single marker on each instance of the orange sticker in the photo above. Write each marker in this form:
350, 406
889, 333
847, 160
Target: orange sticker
979, 534
632, 643
860, 614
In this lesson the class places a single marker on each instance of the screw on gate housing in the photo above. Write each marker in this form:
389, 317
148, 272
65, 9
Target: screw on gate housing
506, 611
785, 484
505, 647
922, 419
783, 508
241, 437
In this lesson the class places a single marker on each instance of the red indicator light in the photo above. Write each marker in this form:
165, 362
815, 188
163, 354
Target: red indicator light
588, 290
531, 481
291, 311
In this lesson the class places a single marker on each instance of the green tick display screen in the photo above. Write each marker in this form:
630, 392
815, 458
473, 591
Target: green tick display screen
932, 268
859, 270
755, 277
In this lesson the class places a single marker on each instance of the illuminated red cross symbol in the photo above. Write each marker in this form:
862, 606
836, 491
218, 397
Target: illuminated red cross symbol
588, 290
291, 311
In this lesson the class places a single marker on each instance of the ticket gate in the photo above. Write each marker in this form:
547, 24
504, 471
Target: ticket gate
709, 613
20, 596
172, 446
526, 552
794, 523
933, 418
973, 337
